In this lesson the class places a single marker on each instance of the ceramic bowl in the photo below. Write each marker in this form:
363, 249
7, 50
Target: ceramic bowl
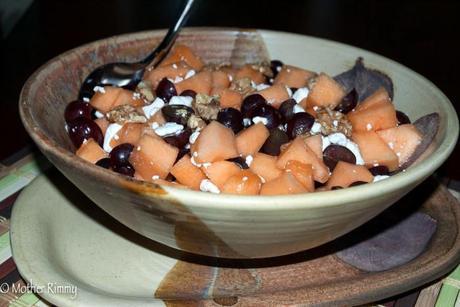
226, 225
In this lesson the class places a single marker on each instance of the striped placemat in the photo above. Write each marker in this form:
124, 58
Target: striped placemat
14, 292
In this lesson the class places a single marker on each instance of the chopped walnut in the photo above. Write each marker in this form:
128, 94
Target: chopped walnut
195, 122
125, 114
206, 106
333, 121
243, 86
145, 89
264, 68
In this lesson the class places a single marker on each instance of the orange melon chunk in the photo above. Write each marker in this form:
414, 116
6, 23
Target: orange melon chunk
325, 92
219, 172
298, 151
265, 166
250, 140
201, 83
403, 140
152, 157
244, 182
170, 71
103, 123
345, 174
284, 184
112, 97
129, 133
91, 151
315, 143
248, 72
275, 94
374, 150
187, 174
293, 76
215, 142
183, 53
380, 115
220, 79
303, 173
380, 95
230, 99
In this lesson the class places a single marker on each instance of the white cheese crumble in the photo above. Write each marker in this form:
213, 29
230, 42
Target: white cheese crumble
99, 114
178, 79
380, 177
174, 66
169, 128
99, 89
189, 74
298, 109
300, 94
369, 127
154, 107
342, 140
260, 119
316, 128
289, 91
249, 160
154, 125
230, 78
391, 145
207, 186
110, 133
155, 177
262, 86
246, 122
181, 100
193, 137
245, 178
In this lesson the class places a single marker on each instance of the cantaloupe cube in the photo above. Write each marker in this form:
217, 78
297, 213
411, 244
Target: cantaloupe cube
292, 76
403, 140
157, 118
286, 183
91, 151
129, 133
244, 182
248, 72
215, 143
230, 99
153, 157
380, 115
201, 83
250, 140
374, 150
345, 174
303, 173
103, 123
187, 174
216, 91
112, 97
275, 94
183, 53
325, 92
265, 166
379, 96
128, 97
220, 79
219, 172
298, 151
315, 143
170, 71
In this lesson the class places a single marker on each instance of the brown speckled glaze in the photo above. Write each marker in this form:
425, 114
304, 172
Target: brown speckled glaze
227, 225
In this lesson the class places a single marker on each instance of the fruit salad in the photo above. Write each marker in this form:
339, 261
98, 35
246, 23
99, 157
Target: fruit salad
260, 129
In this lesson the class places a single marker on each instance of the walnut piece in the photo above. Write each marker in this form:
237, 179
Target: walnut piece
264, 68
145, 89
333, 121
125, 114
206, 106
195, 122
243, 86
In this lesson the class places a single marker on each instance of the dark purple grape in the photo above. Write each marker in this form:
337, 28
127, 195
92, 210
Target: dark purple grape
348, 102
379, 170
165, 90
250, 103
182, 152
402, 118
179, 140
293, 89
276, 66
125, 169
177, 113
120, 154
81, 129
231, 118
190, 93
104, 162
286, 109
270, 114
335, 153
299, 124
274, 141
77, 109
240, 162
336, 188
357, 183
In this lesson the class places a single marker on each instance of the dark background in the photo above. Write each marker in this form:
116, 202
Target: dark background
423, 35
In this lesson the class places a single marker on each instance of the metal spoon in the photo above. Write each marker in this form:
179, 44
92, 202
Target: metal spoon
128, 75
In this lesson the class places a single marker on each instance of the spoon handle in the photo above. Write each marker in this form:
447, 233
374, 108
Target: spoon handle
163, 48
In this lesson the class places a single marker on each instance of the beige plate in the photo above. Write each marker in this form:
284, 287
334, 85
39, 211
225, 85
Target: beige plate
60, 236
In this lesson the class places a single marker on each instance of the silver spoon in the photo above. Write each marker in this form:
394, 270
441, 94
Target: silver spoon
128, 75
